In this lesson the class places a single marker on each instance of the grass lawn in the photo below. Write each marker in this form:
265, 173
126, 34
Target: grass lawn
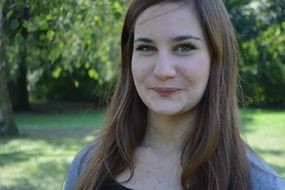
265, 133
39, 158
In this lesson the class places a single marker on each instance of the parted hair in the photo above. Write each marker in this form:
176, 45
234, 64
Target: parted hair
214, 154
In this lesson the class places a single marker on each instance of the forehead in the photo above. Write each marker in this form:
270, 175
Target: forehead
171, 18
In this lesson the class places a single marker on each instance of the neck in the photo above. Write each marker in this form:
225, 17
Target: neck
166, 133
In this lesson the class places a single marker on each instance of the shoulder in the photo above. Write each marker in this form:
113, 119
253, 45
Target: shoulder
263, 177
78, 165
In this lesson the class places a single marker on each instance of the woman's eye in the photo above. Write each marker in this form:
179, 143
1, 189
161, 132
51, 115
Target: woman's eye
145, 48
184, 48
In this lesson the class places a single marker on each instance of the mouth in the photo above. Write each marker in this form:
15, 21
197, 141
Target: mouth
165, 91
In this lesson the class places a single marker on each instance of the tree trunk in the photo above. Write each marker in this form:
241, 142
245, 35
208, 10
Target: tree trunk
7, 124
22, 100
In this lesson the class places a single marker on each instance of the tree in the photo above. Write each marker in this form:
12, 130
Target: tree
261, 29
15, 14
72, 48
7, 124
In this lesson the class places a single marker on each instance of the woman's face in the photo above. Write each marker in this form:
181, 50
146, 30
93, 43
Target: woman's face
171, 60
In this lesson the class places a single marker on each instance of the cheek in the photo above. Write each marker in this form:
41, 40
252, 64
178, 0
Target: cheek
197, 70
137, 71
140, 68
135, 68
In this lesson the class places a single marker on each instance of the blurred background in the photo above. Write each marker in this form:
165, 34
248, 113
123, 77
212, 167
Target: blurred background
59, 61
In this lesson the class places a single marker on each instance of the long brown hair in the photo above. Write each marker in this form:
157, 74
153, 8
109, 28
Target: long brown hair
214, 155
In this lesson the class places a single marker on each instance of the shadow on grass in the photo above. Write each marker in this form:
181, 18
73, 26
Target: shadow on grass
255, 116
44, 175
268, 152
59, 138
247, 120
44, 154
13, 157
39, 157
22, 184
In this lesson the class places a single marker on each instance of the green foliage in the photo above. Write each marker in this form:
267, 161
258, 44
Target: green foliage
263, 67
72, 41
260, 25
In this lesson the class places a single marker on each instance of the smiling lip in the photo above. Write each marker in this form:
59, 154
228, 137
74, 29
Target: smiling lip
165, 91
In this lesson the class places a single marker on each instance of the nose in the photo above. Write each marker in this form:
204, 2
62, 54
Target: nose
164, 68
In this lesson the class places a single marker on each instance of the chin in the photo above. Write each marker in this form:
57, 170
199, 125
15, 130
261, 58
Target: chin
166, 112
173, 112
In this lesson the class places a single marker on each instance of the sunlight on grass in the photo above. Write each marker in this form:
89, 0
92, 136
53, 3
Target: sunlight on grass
33, 164
40, 156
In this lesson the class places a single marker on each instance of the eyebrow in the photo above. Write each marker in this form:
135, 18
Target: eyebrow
146, 40
175, 39
186, 37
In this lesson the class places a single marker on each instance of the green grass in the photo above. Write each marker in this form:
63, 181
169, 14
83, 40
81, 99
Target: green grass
39, 158
265, 133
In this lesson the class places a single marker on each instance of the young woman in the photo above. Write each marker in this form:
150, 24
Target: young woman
173, 123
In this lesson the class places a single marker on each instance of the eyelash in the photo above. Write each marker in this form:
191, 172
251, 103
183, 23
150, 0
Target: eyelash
186, 47
145, 48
